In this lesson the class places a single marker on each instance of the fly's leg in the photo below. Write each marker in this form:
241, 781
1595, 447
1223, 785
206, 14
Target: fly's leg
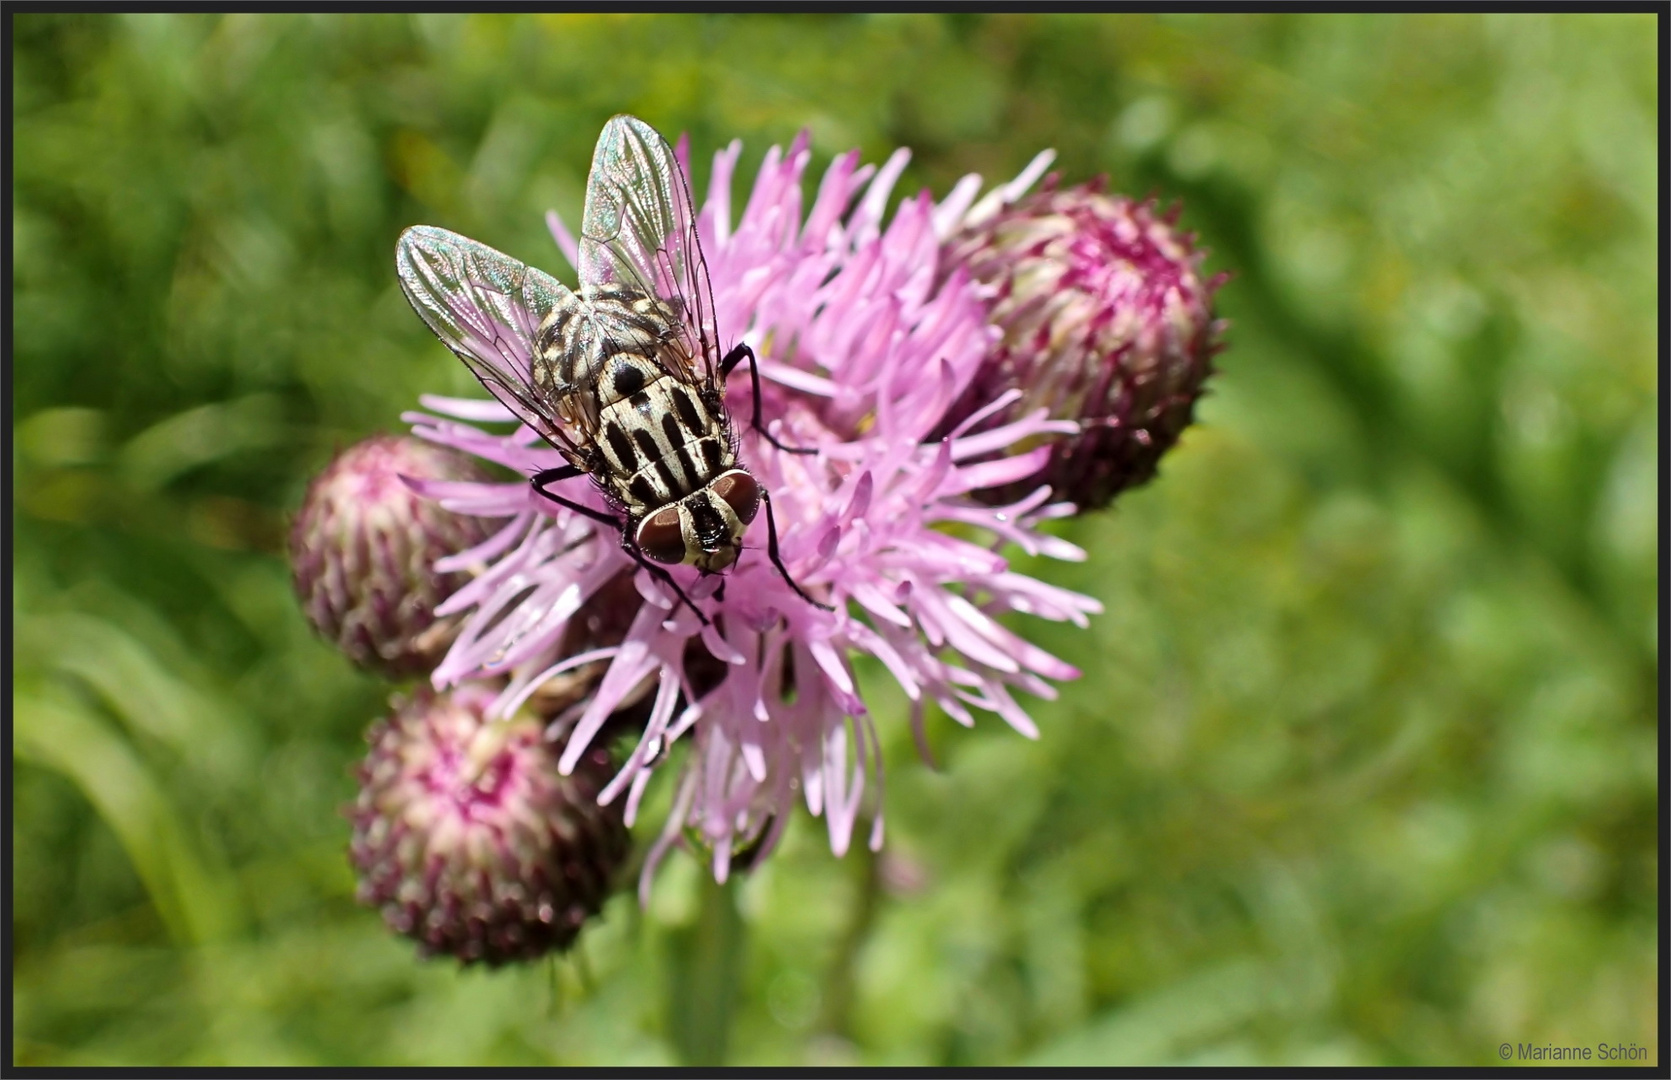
726, 366
569, 472
660, 574
777, 560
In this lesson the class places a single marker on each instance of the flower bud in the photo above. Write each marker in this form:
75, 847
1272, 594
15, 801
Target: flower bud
469, 840
363, 551
1106, 321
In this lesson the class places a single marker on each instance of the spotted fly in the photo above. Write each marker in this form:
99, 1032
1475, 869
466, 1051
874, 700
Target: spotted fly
623, 377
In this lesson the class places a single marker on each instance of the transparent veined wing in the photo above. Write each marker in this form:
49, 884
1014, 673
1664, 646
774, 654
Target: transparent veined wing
639, 230
487, 307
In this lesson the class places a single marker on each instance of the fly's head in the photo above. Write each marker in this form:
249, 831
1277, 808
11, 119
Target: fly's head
704, 529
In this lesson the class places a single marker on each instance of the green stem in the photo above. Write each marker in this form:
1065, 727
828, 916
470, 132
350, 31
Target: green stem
707, 966
836, 1017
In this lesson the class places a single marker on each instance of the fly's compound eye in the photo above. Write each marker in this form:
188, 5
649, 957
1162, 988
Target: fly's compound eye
741, 493
660, 538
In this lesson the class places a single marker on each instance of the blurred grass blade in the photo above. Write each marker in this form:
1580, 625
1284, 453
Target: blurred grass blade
1155, 1029
63, 436
196, 905
199, 436
206, 733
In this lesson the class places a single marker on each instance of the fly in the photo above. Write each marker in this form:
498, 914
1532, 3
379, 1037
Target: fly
623, 377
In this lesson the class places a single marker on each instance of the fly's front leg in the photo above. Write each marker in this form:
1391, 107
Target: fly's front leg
726, 366
777, 559
660, 574
569, 472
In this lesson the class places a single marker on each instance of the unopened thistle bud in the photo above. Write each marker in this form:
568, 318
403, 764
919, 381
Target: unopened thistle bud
363, 551
470, 841
1106, 321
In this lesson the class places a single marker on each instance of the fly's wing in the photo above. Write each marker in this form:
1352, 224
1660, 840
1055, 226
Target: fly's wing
487, 307
639, 231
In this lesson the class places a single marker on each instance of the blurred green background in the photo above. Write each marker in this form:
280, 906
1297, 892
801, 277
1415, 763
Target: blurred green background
1363, 770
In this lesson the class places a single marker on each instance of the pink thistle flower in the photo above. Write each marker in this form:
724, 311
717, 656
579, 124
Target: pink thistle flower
862, 350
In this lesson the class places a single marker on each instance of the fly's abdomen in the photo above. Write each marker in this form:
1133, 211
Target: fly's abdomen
659, 441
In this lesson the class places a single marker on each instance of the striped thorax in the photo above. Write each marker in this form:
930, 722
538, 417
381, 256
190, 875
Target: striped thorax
664, 449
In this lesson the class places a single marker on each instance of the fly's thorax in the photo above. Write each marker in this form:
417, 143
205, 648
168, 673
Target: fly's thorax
658, 439
704, 529
577, 340
628, 321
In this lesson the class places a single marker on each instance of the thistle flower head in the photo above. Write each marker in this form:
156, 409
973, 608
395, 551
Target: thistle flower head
470, 840
364, 547
863, 346
1106, 319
